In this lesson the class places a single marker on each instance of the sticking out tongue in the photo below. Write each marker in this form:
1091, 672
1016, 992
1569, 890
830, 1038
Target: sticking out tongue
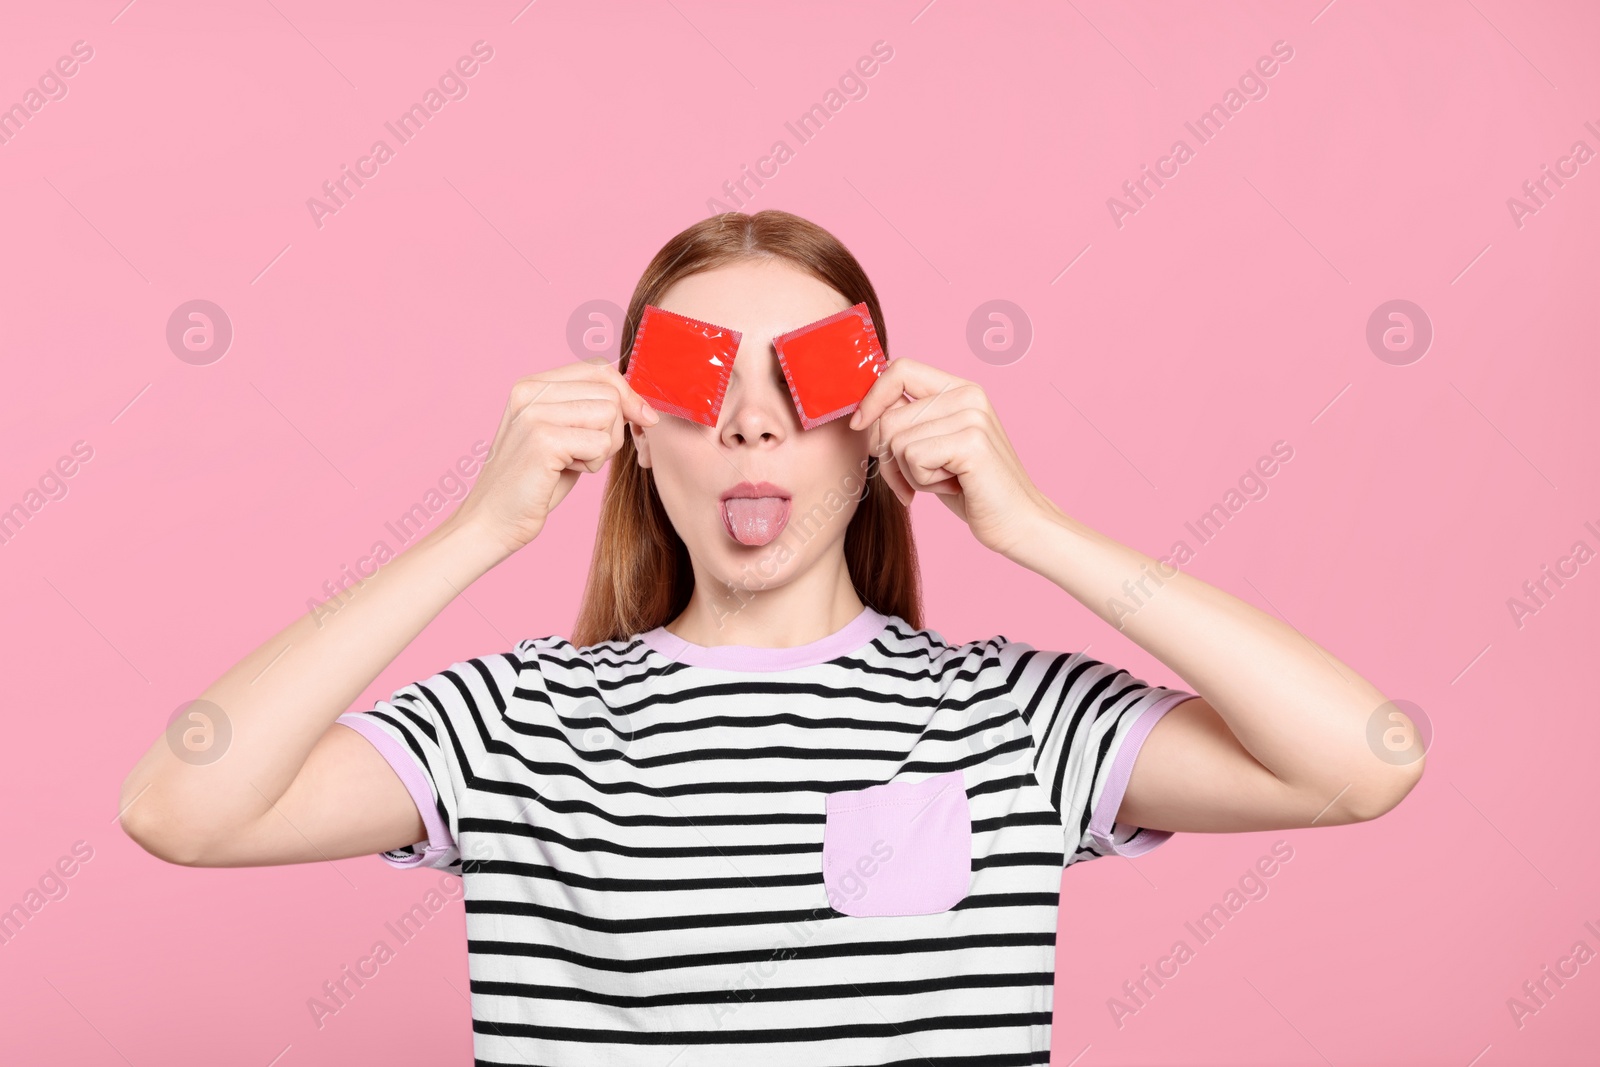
755, 520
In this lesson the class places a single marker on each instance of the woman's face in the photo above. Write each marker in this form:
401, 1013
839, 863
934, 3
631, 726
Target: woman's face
816, 476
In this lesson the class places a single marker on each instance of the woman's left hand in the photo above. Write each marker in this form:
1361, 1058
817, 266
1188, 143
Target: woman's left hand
935, 432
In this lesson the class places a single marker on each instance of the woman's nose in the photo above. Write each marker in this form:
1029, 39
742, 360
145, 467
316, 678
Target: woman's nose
757, 407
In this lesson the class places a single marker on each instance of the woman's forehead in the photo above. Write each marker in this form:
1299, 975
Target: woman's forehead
759, 299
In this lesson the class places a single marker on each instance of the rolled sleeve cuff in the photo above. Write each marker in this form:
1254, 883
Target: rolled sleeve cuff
1120, 839
440, 848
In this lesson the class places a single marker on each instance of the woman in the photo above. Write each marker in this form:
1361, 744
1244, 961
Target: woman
752, 808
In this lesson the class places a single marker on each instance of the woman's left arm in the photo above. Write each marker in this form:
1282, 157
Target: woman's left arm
1278, 736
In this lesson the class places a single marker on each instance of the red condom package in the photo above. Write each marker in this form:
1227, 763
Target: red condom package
681, 365
830, 364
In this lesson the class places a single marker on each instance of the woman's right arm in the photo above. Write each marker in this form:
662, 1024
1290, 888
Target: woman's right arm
293, 786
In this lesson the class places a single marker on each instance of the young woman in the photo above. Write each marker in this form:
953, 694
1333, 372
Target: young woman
752, 810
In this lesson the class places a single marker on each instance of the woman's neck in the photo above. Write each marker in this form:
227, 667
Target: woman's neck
799, 612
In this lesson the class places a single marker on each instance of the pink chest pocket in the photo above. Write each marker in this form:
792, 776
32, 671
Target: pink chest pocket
899, 848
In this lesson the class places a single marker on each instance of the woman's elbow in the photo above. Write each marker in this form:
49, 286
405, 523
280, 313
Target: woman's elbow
1383, 795
158, 829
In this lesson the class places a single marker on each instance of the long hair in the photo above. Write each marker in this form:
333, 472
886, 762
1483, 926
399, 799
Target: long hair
640, 575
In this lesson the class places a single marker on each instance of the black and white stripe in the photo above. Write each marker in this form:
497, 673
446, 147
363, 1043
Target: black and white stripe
640, 841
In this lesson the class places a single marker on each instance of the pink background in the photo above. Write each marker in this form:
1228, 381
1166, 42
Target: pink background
1228, 313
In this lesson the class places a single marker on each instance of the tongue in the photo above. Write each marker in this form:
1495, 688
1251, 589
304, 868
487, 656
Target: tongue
756, 520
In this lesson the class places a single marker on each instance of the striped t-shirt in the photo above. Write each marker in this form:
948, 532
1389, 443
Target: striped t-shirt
844, 852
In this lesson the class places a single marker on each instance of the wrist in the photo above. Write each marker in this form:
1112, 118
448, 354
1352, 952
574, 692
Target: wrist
1044, 531
475, 547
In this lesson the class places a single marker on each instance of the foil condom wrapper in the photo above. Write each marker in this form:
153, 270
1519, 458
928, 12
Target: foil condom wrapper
830, 364
681, 365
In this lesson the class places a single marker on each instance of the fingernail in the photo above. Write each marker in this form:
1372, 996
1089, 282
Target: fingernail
855, 421
650, 413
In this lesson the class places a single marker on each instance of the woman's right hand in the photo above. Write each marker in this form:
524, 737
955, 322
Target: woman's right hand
557, 425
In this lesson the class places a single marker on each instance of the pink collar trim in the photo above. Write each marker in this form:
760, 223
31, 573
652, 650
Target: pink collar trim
855, 634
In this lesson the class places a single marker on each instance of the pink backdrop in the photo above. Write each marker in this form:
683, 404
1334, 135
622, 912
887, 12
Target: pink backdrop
1174, 340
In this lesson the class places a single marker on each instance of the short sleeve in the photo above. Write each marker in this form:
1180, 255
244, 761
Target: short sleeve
433, 733
1087, 720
